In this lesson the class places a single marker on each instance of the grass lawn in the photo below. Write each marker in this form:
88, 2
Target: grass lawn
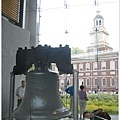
108, 102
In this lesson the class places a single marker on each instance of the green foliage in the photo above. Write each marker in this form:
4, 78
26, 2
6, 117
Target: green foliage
108, 102
76, 50
66, 100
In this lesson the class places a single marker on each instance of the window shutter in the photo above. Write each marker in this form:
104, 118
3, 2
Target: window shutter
10, 9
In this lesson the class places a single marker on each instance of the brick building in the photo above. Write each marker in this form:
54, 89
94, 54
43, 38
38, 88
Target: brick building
98, 67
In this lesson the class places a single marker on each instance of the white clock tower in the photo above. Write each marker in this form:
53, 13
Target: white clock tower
99, 35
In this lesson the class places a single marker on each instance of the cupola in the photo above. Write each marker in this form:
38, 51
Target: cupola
98, 20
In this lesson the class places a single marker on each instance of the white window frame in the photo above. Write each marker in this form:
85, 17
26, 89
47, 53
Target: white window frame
105, 81
75, 66
88, 74
112, 72
112, 65
87, 82
103, 73
87, 66
94, 81
81, 67
81, 74
111, 81
95, 73
95, 66
103, 65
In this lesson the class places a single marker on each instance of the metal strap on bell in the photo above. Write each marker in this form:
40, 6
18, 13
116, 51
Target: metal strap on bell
42, 100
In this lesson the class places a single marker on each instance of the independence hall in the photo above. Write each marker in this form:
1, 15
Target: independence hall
98, 67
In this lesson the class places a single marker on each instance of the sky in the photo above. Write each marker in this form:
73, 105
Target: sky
77, 20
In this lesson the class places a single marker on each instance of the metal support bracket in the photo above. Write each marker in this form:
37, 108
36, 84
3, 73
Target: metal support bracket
75, 97
11, 99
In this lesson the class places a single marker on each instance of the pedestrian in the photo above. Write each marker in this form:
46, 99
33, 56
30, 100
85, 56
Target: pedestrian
83, 98
70, 90
20, 91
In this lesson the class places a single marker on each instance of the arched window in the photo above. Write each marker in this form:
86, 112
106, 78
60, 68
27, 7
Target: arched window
99, 22
112, 82
96, 22
87, 82
104, 82
95, 81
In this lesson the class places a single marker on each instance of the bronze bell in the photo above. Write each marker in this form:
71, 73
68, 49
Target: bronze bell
42, 100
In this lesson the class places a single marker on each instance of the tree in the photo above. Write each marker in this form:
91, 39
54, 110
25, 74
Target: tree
76, 50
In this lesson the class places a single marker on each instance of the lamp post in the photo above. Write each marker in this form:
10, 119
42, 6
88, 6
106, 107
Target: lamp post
97, 57
116, 68
91, 74
66, 8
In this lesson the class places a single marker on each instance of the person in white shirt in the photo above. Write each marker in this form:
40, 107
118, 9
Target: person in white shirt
20, 91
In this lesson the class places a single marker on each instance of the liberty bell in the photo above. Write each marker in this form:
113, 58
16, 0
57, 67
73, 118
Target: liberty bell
41, 100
